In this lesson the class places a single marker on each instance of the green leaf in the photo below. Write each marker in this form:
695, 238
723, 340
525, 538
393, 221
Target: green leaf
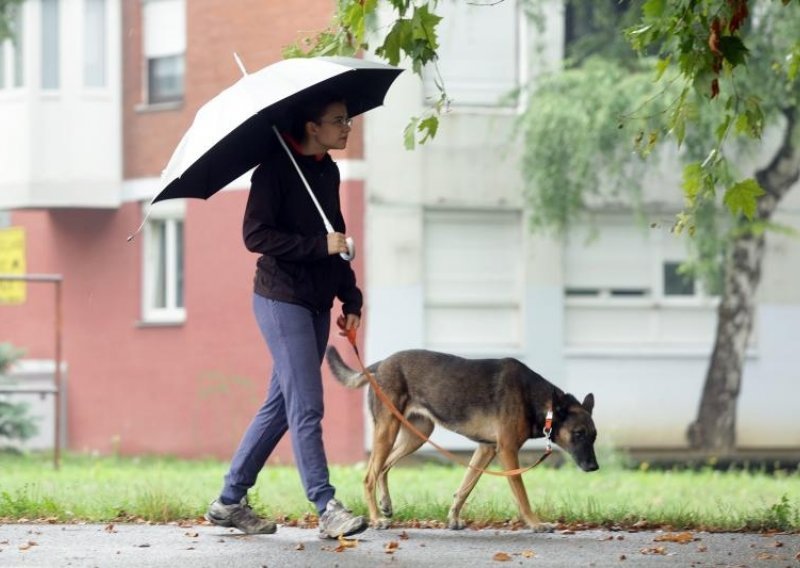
653, 9
398, 36
409, 133
692, 181
428, 127
733, 50
742, 197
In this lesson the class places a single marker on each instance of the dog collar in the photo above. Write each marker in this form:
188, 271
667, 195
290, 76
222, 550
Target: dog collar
548, 428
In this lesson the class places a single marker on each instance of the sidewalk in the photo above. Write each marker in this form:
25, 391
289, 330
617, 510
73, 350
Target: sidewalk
138, 545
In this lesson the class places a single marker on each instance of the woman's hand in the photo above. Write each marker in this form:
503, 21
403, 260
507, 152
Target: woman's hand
351, 321
337, 243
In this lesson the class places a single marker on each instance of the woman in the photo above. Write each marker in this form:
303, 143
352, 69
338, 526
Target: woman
298, 275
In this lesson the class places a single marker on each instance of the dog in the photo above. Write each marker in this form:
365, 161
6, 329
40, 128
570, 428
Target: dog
498, 403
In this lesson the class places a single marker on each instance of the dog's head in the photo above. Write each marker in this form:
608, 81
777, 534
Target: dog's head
573, 429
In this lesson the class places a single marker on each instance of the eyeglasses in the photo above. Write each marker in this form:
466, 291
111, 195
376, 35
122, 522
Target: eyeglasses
340, 121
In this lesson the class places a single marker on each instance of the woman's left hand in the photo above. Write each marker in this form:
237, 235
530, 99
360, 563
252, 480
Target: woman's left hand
349, 321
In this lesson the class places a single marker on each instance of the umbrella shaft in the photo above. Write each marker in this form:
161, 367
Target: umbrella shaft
328, 226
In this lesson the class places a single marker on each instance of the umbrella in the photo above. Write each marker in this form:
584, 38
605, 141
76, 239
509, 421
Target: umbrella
230, 133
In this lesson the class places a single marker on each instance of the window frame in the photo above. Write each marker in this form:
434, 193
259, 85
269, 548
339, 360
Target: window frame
171, 213
103, 64
50, 47
148, 101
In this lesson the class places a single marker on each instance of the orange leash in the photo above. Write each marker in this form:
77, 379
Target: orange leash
350, 334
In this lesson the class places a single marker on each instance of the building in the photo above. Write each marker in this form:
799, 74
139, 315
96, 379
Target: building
161, 352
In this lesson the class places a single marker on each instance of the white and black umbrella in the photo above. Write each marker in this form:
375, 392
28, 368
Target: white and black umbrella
231, 133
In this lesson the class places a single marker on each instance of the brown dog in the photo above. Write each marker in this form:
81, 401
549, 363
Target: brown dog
498, 403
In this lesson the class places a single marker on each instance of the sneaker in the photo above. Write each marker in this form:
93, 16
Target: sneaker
240, 515
337, 521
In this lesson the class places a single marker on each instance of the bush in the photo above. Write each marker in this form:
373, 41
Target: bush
15, 423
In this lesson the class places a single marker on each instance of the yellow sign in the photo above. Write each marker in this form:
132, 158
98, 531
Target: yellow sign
12, 262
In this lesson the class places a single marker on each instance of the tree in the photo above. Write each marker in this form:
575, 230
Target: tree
597, 107
725, 69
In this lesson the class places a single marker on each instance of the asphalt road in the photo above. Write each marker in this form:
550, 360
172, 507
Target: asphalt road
140, 545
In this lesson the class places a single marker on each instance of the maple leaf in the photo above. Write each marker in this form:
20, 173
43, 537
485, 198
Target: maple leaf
742, 197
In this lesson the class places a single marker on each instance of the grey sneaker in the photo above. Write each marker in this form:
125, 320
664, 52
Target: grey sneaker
240, 516
337, 521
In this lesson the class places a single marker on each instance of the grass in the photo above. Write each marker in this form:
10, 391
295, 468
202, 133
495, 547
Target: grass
105, 489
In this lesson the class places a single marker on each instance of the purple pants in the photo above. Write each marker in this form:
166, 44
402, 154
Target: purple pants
297, 339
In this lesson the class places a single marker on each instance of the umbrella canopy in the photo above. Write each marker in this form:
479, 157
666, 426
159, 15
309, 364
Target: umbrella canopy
232, 133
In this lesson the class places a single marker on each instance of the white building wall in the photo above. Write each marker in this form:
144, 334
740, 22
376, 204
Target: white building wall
644, 359
63, 147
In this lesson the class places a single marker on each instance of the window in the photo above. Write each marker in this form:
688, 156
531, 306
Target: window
624, 288
164, 49
94, 43
478, 53
163, 270
473, 281
675, 283
50, 47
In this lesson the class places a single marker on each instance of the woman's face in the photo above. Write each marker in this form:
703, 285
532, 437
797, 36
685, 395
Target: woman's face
333, 127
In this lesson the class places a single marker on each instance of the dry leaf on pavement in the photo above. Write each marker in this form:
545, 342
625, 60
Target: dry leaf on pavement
681, 538
501, 557
391, 547
654, 550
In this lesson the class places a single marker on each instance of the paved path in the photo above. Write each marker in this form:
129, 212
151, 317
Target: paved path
138, 545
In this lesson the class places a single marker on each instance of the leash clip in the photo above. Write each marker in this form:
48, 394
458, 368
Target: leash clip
548, 429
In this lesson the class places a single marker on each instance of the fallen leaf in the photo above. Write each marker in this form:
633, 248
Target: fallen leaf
620, 537
27, 545
110, 528
622, 557
776, 544
501, 557
528, 554
767, 556
391, 547
191, 534
300, 546
654, 550
345, 543
702, 548
681, 538
403, 535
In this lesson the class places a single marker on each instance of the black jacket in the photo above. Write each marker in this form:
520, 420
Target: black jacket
283, 225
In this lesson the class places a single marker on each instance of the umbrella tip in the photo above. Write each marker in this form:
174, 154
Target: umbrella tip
240, 63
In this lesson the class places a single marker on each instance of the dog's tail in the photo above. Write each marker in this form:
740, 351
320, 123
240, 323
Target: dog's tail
350, 378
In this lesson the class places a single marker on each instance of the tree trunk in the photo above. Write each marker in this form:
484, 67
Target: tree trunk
714, 429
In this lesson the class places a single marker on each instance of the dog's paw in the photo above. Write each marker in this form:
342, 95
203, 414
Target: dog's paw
386, 508
543, 527
456, 524
381, 524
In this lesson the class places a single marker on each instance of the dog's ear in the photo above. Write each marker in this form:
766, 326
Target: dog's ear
588, 403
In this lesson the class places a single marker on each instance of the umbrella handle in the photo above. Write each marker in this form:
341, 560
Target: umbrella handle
351, 250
